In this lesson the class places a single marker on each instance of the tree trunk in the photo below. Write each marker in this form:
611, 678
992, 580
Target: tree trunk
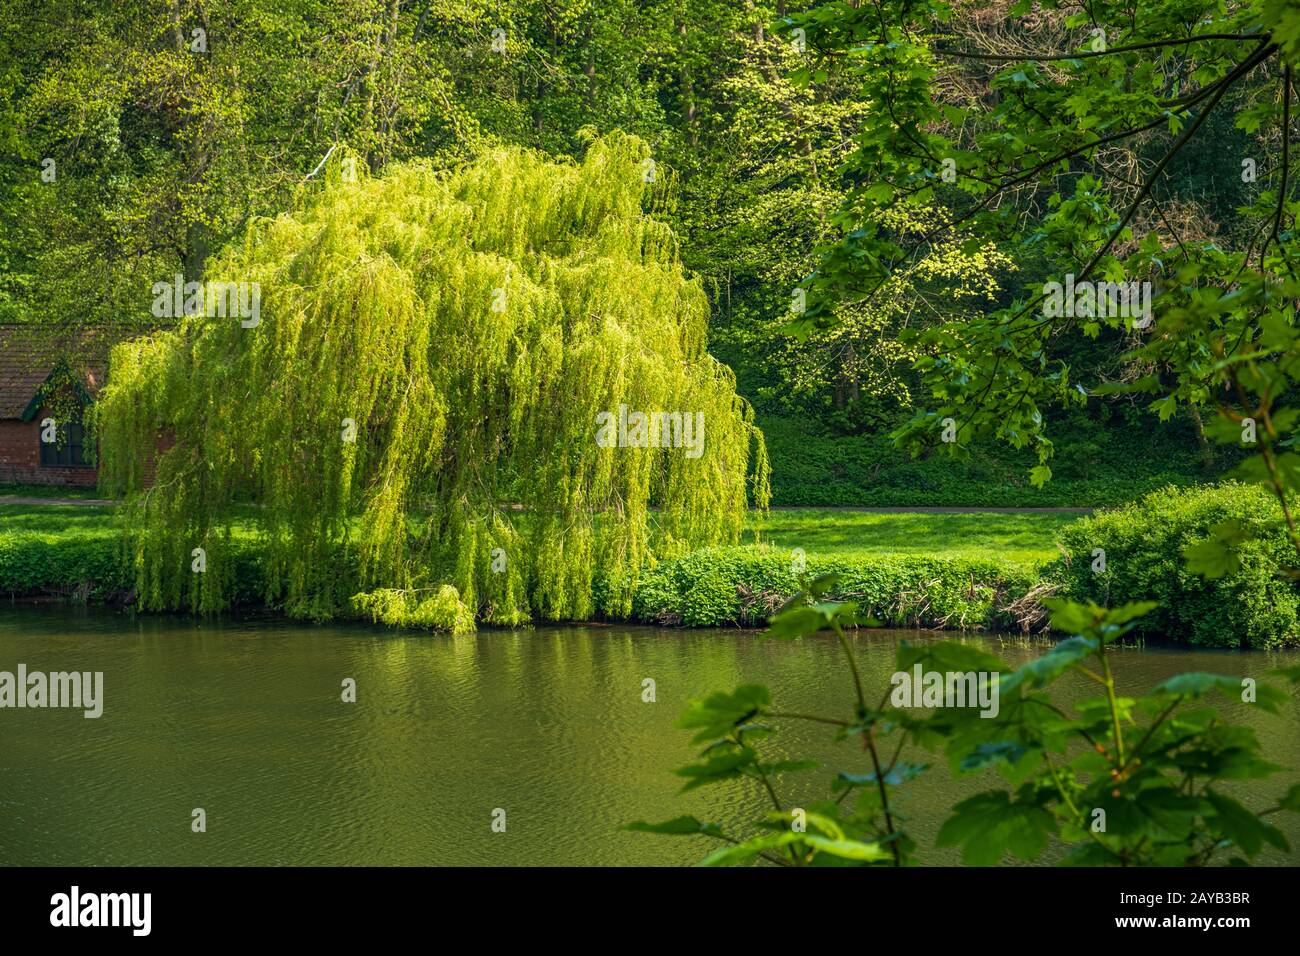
688, 91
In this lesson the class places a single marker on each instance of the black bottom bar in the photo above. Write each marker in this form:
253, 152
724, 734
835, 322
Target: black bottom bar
365, 905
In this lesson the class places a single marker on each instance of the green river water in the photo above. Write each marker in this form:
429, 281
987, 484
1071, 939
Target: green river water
243, 718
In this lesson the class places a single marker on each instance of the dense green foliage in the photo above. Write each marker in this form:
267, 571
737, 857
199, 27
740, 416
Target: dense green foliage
1100, 465
1120, 782
75, 552
1072, 165
69, 550
436, 351
1155, 549
165, 148
743, 586
46, 491
980, 570
930, 569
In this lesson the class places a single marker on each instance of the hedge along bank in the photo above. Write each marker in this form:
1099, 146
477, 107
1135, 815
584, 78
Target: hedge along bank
89, 563
714, 587
1154, 549
1251, 603
743, 586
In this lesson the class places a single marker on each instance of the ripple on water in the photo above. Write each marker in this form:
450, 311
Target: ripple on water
244, 719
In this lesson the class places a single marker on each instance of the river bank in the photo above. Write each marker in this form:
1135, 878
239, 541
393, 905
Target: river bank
952, 570
930, 570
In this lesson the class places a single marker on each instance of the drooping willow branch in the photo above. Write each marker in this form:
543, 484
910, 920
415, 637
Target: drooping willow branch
433, 344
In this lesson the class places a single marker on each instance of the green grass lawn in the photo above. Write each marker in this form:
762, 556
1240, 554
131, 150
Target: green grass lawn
1028, 537
55, 519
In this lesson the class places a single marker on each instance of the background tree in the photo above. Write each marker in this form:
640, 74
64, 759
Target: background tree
1037, 173
170, 124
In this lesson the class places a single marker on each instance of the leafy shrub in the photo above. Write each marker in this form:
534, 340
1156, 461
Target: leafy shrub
441, 611
1145, 545
89, 563
710, 601
745, 585
33, 562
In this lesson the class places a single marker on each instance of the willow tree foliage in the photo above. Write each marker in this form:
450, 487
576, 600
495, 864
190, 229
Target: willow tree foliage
417, 407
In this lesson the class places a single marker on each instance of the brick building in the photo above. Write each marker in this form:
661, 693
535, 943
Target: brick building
49, 375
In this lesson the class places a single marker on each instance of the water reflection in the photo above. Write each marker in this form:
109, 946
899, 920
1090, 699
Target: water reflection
244, 719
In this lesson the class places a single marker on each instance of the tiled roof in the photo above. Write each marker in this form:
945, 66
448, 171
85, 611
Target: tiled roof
29, 352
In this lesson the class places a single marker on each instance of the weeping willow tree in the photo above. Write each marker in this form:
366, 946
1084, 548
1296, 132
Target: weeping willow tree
412, 424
